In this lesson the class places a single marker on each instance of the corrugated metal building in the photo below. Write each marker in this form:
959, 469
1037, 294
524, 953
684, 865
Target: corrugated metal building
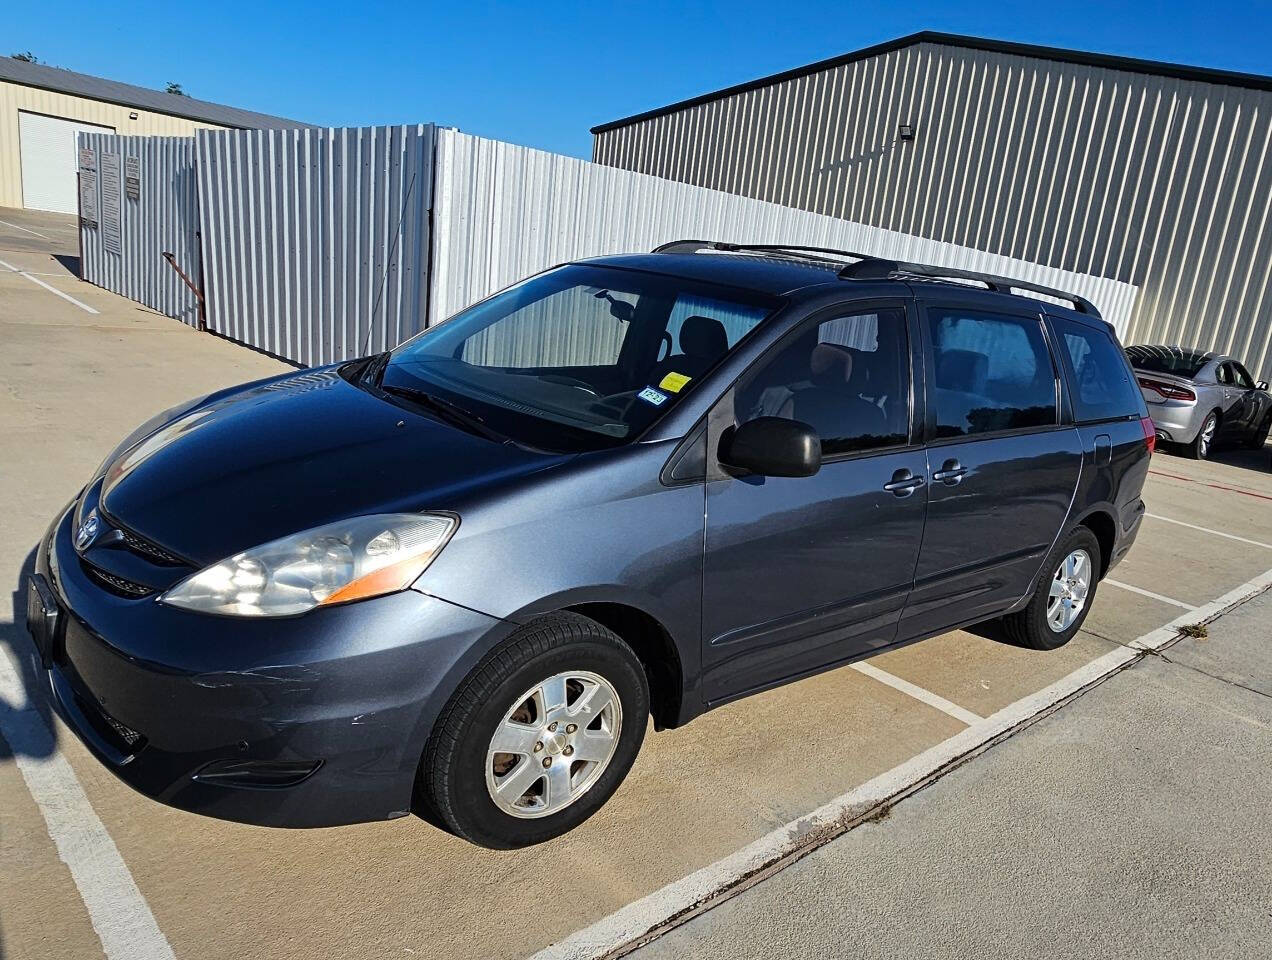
1154, 174
43, 108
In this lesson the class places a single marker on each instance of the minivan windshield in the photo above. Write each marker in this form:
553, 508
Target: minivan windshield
1171, 360
577, 358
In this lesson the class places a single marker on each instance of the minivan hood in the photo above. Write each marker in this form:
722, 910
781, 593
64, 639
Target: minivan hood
288, 454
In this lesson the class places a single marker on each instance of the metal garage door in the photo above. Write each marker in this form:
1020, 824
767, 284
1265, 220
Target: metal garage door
48, 160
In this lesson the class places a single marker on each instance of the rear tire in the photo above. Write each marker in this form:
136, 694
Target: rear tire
527, 695
1051, 620
1204, 443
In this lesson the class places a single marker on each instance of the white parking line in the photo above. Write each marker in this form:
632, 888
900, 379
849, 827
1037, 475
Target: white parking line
683, 899
118, 911
36, 280
24, 230
1148, 593
1214, 533
919, 693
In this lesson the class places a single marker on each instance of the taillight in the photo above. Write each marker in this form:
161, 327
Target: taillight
1150, 433
1167, 390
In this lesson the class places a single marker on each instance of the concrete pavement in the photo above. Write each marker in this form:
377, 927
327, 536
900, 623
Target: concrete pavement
72, 383
1134, 822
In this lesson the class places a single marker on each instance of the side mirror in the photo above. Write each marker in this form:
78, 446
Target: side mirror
1261, 385
772, 447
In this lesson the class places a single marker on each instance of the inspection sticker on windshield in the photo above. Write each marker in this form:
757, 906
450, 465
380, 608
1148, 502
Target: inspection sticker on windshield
674, 382
650, 395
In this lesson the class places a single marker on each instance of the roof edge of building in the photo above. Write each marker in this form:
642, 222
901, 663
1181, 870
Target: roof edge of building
89, 87
1230, 78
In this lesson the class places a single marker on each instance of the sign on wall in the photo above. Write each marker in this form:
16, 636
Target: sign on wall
88, 187
112, 239
132, 178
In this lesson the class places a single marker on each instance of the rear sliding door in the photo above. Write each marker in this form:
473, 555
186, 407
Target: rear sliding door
1002, 469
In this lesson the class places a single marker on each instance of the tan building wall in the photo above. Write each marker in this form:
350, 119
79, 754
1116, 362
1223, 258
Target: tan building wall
16, 97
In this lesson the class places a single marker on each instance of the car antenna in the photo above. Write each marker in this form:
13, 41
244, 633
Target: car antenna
366, 344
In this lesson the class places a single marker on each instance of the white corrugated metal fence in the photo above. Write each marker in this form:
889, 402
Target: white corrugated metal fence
316, 241
154, 212
503, 212
322, 245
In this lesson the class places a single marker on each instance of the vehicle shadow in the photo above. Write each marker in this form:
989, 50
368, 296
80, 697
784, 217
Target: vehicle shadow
992, 630
26, 719
1259, 460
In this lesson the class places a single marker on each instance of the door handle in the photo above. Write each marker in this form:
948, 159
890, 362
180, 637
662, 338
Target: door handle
951, 473
903, 483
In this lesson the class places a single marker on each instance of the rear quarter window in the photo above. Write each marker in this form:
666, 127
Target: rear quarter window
1102, 385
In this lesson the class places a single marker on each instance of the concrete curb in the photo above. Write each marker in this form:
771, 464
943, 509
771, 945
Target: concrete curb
648, 918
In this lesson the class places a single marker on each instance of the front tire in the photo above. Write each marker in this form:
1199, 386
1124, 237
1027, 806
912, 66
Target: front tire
1063, 597
1204, 443
538, 736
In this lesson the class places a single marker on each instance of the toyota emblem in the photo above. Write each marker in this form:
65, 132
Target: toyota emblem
87, 531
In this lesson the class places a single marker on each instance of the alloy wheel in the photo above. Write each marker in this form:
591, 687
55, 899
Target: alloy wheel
553, 744
1067, 596
1207, 436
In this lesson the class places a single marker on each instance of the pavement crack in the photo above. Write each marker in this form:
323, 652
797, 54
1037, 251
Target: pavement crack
1120, 643
1206, 673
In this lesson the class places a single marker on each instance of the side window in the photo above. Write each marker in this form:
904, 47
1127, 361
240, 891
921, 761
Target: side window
1103, 385
847, 377
1224, 374
1241, 377
993, 372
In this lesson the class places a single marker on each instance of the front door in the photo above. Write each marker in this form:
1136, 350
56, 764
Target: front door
804, 572
1244, 407
1002, 469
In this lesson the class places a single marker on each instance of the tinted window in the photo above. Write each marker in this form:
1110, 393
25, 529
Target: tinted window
1103, 385
1224, 373
1241, 377
993, 372
1172, 360
576, 358
847, 377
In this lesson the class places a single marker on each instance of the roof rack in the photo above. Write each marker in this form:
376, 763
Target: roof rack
870, 267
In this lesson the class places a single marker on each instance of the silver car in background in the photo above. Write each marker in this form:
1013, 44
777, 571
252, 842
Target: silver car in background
1197, 398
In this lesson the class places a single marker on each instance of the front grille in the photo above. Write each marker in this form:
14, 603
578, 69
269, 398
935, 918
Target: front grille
120, 736
127, 734
117, 585
146, 548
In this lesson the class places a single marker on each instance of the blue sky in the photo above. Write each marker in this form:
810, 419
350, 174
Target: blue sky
543, 73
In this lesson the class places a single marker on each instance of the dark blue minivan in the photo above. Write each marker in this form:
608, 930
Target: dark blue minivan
460, 577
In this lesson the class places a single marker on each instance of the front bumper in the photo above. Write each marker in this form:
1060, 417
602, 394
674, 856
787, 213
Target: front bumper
308, 721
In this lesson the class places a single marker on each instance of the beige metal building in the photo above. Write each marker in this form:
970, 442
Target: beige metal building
1154, 174
43, 108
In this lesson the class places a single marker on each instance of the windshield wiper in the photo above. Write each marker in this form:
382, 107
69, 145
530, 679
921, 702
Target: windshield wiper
373, 370
453, 413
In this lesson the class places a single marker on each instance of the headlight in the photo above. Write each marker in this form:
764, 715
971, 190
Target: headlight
350, 560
